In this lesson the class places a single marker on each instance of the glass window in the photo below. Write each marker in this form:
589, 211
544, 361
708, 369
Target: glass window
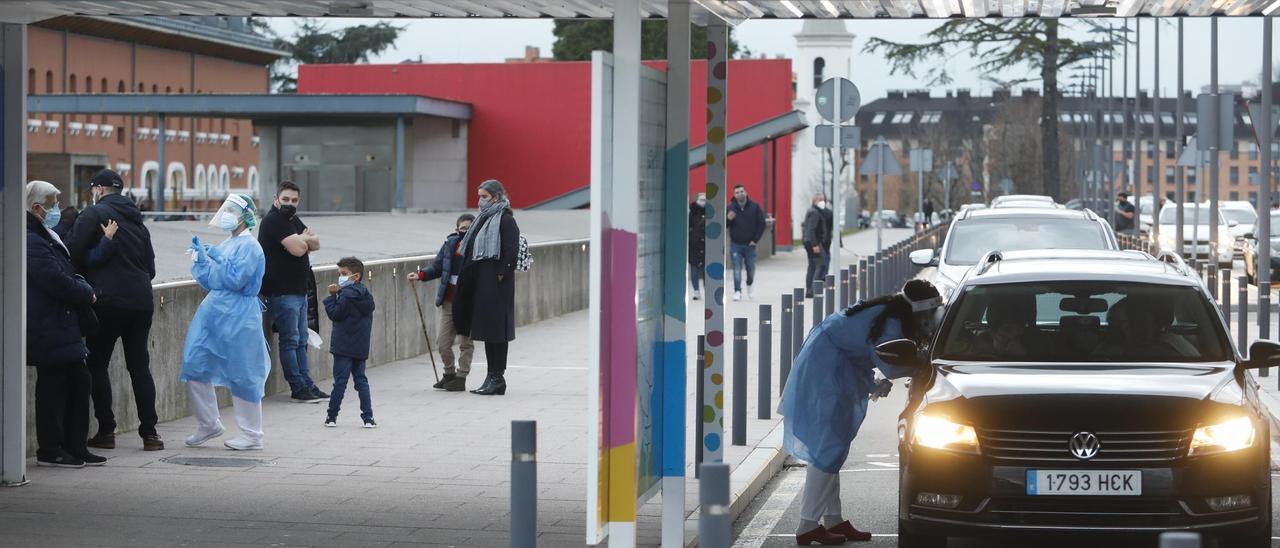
1084, 321
1065, 117
1168, 149
1166, 118
878, 118
970, 240
1234, 175
1190, 118
1253, 151
1148, 119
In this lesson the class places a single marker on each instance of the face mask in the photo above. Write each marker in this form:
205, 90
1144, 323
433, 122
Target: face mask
52, 215
484, 203
344, 281
822, 204
701, 202
289, 210
228, 223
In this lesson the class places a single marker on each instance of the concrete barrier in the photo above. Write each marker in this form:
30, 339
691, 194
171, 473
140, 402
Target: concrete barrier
556, 285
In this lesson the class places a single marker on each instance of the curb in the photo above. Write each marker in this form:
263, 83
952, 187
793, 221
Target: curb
1272, 404
746, 481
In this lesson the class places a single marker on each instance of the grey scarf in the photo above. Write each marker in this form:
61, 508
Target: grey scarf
488, 237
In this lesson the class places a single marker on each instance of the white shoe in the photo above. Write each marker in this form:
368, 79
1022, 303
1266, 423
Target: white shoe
241, 443
697, 295
737, 295
751, 293
199, 438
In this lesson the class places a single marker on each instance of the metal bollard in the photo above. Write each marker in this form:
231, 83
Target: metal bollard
797, 323
1264, 310
1226, 297
877, 286
1179, 539
1212, 281
1242, 318
739, 381
817, 309
870, 291
784, 344
764, 376
714, 523
830, 295
862, 280
816, 289
524, 484
701, 360
845, 295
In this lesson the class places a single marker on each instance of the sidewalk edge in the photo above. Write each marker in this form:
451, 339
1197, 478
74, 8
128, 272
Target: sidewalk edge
746, 481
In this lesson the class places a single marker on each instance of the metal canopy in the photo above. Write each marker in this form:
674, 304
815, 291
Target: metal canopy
257, 107
753, 135
733, 11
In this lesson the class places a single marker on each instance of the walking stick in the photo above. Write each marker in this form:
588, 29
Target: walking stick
423, 320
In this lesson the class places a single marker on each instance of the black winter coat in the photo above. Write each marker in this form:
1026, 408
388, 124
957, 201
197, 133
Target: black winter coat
351, 312
55, 296
443, 267
697, 233
485, 307
748, 222
817, 229
119, 269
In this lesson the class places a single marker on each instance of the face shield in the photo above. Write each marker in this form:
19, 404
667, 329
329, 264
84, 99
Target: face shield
236, 208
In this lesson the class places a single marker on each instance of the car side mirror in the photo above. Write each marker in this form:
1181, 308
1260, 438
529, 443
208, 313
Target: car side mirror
904, 353
923, 257
1249, 236
1262, 354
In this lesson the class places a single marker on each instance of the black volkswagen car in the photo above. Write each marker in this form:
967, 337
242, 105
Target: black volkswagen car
1076, 392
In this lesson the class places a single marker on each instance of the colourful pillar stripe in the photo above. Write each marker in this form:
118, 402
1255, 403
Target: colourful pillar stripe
675, 253
712, 413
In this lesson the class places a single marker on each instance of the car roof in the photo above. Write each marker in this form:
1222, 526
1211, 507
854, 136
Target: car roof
1027, 197
1032, 212
1081, 265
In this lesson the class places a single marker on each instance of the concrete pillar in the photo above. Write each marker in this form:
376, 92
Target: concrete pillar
717, 187
400, 163
162, 177
1269, 125
675, 261
13, 251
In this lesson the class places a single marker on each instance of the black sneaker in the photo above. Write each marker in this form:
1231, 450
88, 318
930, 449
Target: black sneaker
318, 393
62, 460
440, 385
304, 397
331, 421
91, 459
368, 423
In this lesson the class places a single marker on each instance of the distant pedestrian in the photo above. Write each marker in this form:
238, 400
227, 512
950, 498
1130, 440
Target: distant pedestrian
287, 243
350, 308
817, 241
225, 345
111, 247
56, 299
928, 212
446, 267
697, 242
1125, 213
746, 227
486, 306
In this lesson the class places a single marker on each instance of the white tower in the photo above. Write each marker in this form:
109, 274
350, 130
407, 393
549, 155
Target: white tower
824, 49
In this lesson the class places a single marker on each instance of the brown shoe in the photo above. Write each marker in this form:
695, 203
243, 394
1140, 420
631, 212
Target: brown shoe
152, 443
847, 530
456, 384
103, 440
821, 536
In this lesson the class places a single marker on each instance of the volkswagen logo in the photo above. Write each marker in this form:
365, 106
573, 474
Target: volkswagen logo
1084, 445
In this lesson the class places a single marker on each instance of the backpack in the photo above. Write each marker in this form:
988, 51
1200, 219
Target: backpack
524, 257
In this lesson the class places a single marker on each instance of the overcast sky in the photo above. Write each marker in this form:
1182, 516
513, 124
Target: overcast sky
490, 40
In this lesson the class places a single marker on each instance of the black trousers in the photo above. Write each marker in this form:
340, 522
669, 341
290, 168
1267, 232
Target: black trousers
133, 329
817, 270
496, 354
62, 409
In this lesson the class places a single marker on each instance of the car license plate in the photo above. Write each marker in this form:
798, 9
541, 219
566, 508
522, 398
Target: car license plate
1084, 482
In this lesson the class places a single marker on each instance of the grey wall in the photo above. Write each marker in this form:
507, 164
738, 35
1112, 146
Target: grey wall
437, 160
556, 285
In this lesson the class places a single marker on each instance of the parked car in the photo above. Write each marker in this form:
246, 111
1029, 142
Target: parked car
1251, 244
975, 232
1196, 237
1025, 204
1244, 215
1020, 198
1070, 392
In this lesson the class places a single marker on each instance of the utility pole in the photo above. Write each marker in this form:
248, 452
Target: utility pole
1157, 175
1180, 173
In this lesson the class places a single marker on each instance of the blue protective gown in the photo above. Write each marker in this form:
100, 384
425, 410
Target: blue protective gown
225, 344
826, 396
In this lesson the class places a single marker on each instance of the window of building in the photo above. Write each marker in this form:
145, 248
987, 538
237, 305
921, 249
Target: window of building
1234, 175
1235, 150
1168, 174
142, 88
819, 65
1065, 117
1151, 150
1148, 119
235, 142
88, 84
1253, 175
168, 90
31, 81
155, 88
48, 81
1253, 151
878, 118
1168, 149
1189, 118
1166, 119
1253, 197
120, 88
72, 81
931, 117
103, 88
120, 131
1233, 196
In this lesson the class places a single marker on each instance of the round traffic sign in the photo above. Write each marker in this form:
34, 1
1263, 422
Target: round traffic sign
850, 100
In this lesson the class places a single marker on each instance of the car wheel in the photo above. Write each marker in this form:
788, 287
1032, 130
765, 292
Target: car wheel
914, 540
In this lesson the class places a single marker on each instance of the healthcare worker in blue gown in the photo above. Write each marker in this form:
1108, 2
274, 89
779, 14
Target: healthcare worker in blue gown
225, 343
826, 396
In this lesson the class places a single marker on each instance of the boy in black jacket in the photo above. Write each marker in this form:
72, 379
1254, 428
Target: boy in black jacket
350, 307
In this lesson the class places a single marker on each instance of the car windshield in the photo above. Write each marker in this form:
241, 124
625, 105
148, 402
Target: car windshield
1076, 321
972, 239
1169, 215
1240, 216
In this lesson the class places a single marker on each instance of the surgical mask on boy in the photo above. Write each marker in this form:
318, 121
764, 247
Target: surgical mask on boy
344, 281
53, 215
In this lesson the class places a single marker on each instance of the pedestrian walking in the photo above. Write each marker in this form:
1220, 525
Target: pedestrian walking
928, 212
697, 242
746, 227
225, 345
446, 267
287, 244
825, 399
1125, 213
350, 308
485, 309
817, 242
58, 302
111, 247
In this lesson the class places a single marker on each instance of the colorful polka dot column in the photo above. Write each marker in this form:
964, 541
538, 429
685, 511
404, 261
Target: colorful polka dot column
713, 368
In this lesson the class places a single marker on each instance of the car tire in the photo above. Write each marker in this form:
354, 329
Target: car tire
915, 540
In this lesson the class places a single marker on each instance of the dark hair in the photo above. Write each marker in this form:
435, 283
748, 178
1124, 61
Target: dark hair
737, 186
352, 265
895, 306
287, 185
464, 217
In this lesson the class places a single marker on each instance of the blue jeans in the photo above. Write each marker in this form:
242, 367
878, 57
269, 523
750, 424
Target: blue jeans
344, 367
695, 274
289, 313
743, 254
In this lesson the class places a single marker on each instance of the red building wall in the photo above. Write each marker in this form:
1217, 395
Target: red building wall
531, 123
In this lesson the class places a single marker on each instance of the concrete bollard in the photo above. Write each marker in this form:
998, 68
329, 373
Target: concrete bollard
701, 360
1179, 539
845, 295
784, 344
714, 523
830, 296
1226, 297
797, 323
862, 281
1242, 319
764, 376
739, 381
524, 484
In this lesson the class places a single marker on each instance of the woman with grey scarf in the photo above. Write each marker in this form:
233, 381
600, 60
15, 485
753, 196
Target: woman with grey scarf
485, 307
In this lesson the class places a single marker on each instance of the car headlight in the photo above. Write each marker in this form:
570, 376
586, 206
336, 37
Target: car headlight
941, 433
1224, 437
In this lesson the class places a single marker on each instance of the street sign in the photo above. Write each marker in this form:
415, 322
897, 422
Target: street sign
1192, 156
1255, 119
850, 100
824, 136
880, 160
1208, 138
949, 172
921, 159
976, 187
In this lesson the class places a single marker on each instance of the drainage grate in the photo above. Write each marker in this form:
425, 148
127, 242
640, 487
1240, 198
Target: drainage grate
218, 462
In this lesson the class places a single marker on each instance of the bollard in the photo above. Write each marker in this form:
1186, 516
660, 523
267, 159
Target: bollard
870, 291
830, 297
1179, 539
701, 360
739, 381
797, 323
1242, 319
817, 309
1226, 297
1212, 282
713, 497
862, 280
764, 376
524, 484
816, 288
877, 285
1264, 310
845, 295
784, 344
